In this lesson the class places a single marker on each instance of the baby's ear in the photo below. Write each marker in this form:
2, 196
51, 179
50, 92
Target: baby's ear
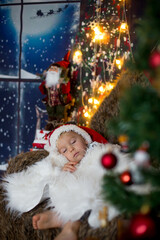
86, 142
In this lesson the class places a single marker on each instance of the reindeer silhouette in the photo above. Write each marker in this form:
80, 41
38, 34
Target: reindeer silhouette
40, 13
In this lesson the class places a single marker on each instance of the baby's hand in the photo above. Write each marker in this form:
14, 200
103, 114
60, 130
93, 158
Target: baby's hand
70, 167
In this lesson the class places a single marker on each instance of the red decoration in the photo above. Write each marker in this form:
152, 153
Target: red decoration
109, 160
46, 137
126, 178
118, 9
154, 60
94, 135
142, 226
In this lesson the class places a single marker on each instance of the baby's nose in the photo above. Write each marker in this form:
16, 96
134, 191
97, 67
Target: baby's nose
71, 148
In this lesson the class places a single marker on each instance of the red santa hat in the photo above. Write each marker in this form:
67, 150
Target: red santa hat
65, 62
88, 134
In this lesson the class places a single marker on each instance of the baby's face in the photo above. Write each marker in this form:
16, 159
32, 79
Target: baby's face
72, 146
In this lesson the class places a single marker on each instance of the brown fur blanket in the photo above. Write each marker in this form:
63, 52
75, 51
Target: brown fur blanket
13, 227
109, 107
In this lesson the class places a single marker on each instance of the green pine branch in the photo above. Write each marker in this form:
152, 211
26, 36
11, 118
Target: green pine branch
127, 201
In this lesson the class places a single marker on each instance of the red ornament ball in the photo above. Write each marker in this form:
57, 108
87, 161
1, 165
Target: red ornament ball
109, 160
126, 178
154, 59
142, 226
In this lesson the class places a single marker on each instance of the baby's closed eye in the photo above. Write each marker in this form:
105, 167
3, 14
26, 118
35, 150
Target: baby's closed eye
63, 150
73, 140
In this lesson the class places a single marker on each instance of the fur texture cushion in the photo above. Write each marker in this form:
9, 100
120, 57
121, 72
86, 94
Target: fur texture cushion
18, 228
109, 108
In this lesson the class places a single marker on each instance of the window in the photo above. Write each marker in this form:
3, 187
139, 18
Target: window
34, 34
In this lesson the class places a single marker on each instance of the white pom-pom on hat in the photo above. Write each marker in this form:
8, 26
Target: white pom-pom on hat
51, 146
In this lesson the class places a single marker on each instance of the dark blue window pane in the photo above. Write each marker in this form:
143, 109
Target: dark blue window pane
9, 1
29, 120
32, 1
8, 120
9, 41
47, 33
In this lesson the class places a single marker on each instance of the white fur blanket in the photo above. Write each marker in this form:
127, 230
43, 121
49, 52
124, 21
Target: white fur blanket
70, 193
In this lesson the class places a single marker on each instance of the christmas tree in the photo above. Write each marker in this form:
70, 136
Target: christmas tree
135, 192
100, 48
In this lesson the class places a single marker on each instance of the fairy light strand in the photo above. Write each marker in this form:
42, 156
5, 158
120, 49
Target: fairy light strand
97, 46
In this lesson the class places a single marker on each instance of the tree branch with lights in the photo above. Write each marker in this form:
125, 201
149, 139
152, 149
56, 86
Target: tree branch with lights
100, 49
136, 191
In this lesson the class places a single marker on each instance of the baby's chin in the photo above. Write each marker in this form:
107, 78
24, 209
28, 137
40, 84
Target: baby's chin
78, 158
77, 161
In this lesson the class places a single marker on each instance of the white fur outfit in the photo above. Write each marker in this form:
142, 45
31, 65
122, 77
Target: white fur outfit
70, 193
